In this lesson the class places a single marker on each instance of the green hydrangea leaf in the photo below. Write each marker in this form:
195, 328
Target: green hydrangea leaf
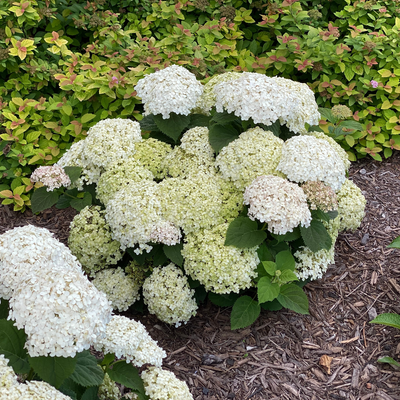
388, 319
395, 244
90, 393
148, 124
287, 237
174, 253
270, 267
244, 312
288, 276
285, 260
389, 360
267, 290
80, 204
273, 305
220, 136
293, 298
87, 372
4, 308
73, 172
42, 199
243, 233
316, 236
224, 118
223, 300
199, 120
173, 126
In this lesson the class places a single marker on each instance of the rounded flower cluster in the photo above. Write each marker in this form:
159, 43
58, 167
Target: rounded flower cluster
258, 97
256, 152
320, 196
129, 339
207, 100
167, 294
108, 390
91, 242
306, 158
150, 153
341, 111
191, 203
25, 249
132, 214
335, 145
173, 89
166, 232
53, 177
231, 199
119, 174
351, 206
111, 139
61, 312
7, 374
119, 288
160, 384
279, 203
221, 269
195, 141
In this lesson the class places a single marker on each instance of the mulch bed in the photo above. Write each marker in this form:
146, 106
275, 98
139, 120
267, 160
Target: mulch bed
280, 356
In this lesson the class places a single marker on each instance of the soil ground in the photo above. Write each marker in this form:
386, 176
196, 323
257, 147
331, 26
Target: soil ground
281, 355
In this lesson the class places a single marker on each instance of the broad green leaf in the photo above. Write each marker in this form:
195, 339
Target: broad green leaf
53, 370
223, 300
288, 276
284, 260
174, 253
351, 125
287, 237
273, 305
87, 117
388, 319
4, 308
389, 360
319, 214
80, 204
220, 136
91, 393
327, 114
266, 290
395, 244
67, 109
87, 372
293, 298
270, 267
12, 342
148, 124
173, 126
244, 312
243, 233
128, 375
199, 120
332, 214
73, 172
275, 128
63, 202
264, 254
42, 199
316, 236
223, 118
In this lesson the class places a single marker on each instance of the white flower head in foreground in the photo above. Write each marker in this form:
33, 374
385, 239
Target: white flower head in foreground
111, 139
119, 174
7, 374
53, 177
129, 339
166, 232
26, 249
255, 152
119, 288
351, 206
61, 312
306, 158
320, 196
257, 96
160, 384
167, 294
279, 203
221, 269
195, 141
73, 157
173, 89
91, 242
132, 214
207, 100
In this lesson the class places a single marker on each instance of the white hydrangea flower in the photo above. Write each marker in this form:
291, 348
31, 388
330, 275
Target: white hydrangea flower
132, 214
191, 203
351, 206
173, 89
166, 232
306, 158
231, 200
221, 269
338, 148
255, 152
129, 339
73, 157
118, 174
207, 100
314, 265
111, 139
28, 248
52, 176
279, 203
61, 312
38, 390
8, 378
160, 384
167, 294
119, 288
195, 141
150, 154
108, 390
90, 240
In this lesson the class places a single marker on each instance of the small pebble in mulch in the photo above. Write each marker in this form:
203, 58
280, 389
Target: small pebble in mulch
230, 362
231, 395
372, 314
365, 239
363, 171
205, 390
209, 359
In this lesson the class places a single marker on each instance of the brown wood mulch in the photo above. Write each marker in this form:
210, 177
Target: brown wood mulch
331, 353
